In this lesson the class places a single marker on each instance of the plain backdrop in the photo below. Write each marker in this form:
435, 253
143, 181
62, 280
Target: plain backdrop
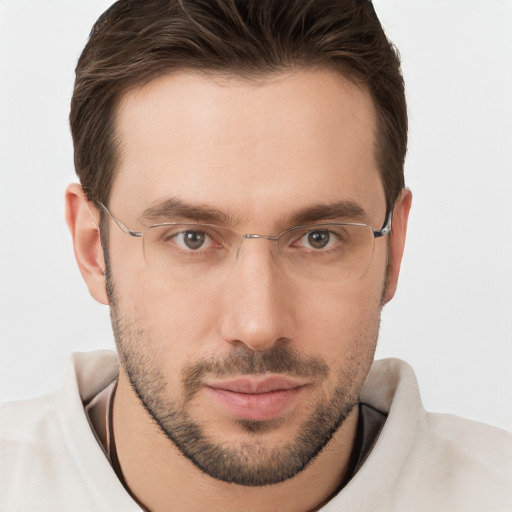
452, 316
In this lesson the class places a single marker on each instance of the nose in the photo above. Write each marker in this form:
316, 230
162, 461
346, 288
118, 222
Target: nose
257, 310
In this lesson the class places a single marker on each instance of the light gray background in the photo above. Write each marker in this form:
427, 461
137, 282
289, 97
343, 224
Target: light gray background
452, 316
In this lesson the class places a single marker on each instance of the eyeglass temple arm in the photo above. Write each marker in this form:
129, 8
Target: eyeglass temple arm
386, 227
122, 227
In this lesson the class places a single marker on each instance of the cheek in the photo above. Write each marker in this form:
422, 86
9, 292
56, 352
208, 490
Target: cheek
175, 319
343, 320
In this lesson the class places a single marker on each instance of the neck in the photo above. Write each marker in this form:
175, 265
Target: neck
161, 478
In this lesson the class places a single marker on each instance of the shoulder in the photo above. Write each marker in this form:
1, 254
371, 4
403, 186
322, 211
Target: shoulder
428, 461
49, 457
32, 447
392, 387
458, 465
470, 436
24, 414
467, 452
31, 423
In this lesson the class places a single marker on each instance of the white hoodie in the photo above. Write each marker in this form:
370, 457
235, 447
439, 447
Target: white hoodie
50, 459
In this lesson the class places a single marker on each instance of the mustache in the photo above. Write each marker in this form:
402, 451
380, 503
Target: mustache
244, 361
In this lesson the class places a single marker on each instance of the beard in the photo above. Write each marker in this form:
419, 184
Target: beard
254, 461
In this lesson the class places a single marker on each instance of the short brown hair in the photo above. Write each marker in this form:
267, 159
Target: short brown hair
135, 41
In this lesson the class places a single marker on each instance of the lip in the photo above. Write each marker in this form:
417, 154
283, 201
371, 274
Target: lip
255, 399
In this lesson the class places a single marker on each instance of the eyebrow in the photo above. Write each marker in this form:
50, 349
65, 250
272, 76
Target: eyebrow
346, 210
172, 209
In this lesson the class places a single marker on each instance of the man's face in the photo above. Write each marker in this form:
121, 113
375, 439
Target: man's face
250, 373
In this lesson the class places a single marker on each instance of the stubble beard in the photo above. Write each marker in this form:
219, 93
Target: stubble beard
252, 462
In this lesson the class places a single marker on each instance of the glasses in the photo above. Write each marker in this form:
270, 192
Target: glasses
334, 251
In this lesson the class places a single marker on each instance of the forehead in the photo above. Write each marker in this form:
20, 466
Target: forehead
252, 148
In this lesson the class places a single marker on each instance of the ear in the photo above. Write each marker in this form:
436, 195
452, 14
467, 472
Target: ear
82, 218
397, 243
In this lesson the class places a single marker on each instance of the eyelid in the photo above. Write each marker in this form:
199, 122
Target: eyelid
314, 228
322, 226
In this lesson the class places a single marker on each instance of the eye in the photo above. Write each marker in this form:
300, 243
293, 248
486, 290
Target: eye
193, 240
318, 239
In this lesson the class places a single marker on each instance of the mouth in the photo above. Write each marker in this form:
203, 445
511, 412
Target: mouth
256, 399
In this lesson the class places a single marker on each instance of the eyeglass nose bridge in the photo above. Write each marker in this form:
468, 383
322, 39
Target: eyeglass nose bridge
252, 236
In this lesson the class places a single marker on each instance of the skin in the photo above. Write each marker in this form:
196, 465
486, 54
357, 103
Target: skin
258, 152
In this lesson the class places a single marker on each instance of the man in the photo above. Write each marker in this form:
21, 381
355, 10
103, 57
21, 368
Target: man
242, 210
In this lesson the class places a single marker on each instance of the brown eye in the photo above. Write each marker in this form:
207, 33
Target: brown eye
194, 239
318, 239
191, 240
